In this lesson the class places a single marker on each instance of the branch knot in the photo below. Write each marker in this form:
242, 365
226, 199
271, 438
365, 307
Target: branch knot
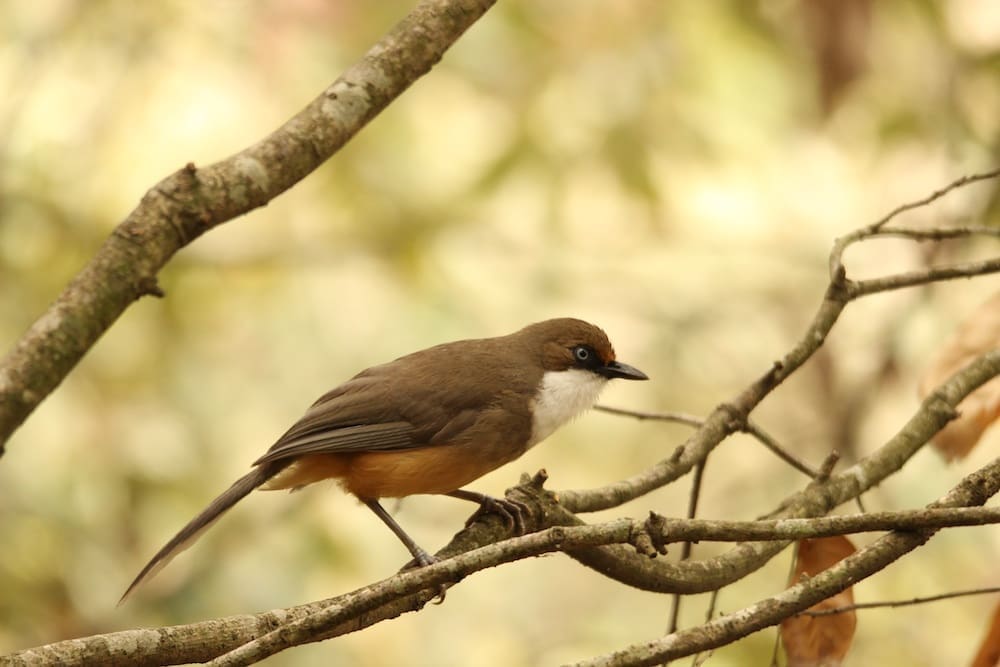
650, 536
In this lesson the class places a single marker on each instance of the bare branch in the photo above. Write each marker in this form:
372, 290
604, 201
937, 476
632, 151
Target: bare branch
687, 546
913, 278
877, 228
938, 233
891, 604
191, 201
718, 530
973, 490
934, 196
675, 417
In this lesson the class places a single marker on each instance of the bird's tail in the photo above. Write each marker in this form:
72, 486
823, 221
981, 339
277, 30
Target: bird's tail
198, 525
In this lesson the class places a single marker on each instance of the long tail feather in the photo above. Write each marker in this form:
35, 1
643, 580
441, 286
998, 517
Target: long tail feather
198, 525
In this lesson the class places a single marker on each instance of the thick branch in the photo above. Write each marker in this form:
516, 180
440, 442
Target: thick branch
666, 530
191, 201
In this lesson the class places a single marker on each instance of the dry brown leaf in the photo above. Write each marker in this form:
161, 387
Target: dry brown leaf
989, 650
820, 641
977, 334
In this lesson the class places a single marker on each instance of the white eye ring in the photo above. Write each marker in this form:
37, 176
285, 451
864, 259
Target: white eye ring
581, 353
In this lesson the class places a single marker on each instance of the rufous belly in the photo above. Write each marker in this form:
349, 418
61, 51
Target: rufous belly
370, 475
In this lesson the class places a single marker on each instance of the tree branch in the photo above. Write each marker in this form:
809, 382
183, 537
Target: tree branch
191, 201
901, 603
973, 490
933, 197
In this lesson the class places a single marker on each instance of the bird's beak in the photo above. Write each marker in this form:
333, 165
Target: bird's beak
616, 369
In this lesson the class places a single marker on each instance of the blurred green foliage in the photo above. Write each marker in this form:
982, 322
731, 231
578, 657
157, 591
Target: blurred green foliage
674, 172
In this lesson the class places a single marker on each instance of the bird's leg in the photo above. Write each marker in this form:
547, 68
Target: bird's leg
422, 557
511, 511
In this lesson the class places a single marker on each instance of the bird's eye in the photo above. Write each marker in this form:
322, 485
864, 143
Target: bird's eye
582, 353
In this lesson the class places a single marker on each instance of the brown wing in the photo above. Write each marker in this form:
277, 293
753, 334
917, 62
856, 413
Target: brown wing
362, 438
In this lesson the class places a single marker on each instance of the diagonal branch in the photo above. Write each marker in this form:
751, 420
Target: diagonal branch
186, 204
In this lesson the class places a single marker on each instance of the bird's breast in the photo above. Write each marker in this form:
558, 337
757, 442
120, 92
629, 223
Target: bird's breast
561, 396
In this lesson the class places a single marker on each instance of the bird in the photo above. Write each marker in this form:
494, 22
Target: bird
430, 422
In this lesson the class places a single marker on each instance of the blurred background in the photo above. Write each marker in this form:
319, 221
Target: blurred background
674, 172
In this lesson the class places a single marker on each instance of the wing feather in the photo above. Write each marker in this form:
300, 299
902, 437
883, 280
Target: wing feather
343, 440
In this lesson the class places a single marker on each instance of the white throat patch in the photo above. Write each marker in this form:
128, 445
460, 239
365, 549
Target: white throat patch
561, 396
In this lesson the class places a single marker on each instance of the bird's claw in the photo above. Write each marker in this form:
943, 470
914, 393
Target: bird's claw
422, 559
511, 511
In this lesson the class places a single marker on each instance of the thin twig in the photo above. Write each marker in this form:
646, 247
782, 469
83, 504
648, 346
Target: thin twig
675, 417
934, 196
777, 632
931, 275
750, 428
713, 599
901, 603
876, 229
692, 511
938, 233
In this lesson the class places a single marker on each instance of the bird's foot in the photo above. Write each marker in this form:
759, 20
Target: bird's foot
422, 559
512, 512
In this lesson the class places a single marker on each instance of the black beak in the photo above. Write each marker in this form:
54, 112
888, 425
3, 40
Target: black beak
616, 369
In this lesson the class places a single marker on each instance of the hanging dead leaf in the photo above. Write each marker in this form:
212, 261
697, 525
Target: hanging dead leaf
989, 650
978, 333
820, 641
